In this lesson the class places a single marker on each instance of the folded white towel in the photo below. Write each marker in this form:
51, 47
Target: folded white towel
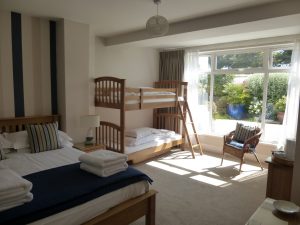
104, 172
103, 158
16, 201
12, 185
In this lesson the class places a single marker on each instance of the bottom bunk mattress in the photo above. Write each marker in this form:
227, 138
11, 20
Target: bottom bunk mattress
32, 165
160, 140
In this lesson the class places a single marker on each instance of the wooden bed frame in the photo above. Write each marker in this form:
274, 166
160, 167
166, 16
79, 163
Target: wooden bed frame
111, 92
122, 214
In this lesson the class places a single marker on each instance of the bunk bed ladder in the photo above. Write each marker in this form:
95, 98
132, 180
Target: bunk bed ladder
183, 108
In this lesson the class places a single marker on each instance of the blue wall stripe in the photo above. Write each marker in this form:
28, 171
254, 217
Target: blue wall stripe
16, 33
53, 67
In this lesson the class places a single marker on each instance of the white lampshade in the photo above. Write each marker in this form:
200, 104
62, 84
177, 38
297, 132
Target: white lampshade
89, 121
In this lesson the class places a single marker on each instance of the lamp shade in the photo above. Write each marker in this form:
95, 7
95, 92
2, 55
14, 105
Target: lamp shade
157, 26
89, 121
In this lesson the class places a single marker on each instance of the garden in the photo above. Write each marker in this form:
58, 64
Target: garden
240, 97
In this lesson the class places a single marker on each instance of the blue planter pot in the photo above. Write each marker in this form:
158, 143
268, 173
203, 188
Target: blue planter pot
236, 111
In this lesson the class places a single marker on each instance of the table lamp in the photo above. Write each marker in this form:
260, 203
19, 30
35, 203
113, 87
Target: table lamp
90, 122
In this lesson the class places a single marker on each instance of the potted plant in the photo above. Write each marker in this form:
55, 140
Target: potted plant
280, 108
237, 96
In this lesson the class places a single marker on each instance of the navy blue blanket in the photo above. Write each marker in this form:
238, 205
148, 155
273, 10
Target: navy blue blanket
61, 188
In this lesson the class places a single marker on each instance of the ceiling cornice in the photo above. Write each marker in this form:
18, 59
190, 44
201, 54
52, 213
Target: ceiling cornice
249, 14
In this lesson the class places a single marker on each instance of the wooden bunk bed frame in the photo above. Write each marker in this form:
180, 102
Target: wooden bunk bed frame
111, 92
122, 214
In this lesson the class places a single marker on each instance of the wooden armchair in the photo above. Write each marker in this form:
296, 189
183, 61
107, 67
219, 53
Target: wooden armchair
238, 149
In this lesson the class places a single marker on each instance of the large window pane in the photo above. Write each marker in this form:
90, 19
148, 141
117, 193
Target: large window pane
240, 61
196, 74
236, 98
276, 102
281, 58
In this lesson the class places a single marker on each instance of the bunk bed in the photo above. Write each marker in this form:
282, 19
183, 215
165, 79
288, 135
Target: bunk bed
111, 92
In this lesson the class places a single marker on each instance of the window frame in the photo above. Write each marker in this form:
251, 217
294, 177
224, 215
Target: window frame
266, 69
235, 52
278, 69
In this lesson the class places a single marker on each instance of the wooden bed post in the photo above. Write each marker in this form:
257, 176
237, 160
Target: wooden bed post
122, 116
184, 116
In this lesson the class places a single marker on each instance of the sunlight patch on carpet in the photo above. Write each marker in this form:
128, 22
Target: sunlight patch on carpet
209, 180
207, 168
199, 164
168, 168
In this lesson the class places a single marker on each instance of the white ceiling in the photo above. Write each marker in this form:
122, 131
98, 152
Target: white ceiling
114, 18
111, 17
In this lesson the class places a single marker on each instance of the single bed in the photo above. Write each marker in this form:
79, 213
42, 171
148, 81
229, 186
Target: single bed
111, 92
121, 206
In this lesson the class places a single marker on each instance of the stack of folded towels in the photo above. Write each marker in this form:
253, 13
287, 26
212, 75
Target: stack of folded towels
14, 190
103, 163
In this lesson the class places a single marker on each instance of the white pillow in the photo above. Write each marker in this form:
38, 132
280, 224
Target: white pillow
2, 153
139, 132
5, 143
18, 139
64, 136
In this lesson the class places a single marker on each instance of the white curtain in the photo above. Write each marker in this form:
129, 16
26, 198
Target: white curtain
292, 104
196, 69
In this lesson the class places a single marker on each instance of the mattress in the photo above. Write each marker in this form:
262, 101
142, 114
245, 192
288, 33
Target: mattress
154, 100
156, 142
26, 163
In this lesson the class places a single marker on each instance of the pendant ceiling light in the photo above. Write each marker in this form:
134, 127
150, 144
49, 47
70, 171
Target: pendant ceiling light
157, 25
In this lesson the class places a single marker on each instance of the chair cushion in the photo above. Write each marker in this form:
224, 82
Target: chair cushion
242, 132
239, 146
236, 144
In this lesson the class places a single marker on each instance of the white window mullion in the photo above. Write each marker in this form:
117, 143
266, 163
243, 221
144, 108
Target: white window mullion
266, 63
211, 91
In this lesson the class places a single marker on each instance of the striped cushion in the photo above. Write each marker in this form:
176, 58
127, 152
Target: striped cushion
242, 132
43, 137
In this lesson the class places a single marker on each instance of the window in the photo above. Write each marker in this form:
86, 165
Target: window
240, 61
241, 86
281, 58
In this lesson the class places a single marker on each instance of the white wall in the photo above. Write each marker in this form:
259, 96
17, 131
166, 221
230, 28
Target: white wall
73, 42
35, 38
139, 66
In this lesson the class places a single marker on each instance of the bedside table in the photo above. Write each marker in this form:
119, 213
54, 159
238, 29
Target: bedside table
88, 148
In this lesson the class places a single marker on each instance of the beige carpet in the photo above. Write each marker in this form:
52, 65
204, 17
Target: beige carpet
200, 192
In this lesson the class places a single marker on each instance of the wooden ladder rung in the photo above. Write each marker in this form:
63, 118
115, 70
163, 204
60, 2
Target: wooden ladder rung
196, 145
193, 134
189, 122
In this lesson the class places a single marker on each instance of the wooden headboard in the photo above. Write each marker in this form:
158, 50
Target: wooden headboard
19, 123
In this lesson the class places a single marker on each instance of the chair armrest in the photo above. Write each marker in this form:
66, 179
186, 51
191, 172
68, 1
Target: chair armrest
253, 141
228, 137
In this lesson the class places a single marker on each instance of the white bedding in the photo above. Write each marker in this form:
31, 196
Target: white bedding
154, 100
158, 141
26, 163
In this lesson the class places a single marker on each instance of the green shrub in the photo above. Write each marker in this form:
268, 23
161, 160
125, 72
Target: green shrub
277, 87
255, 85
280, 104
236, 93
278, 84
221, 105
219, 81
